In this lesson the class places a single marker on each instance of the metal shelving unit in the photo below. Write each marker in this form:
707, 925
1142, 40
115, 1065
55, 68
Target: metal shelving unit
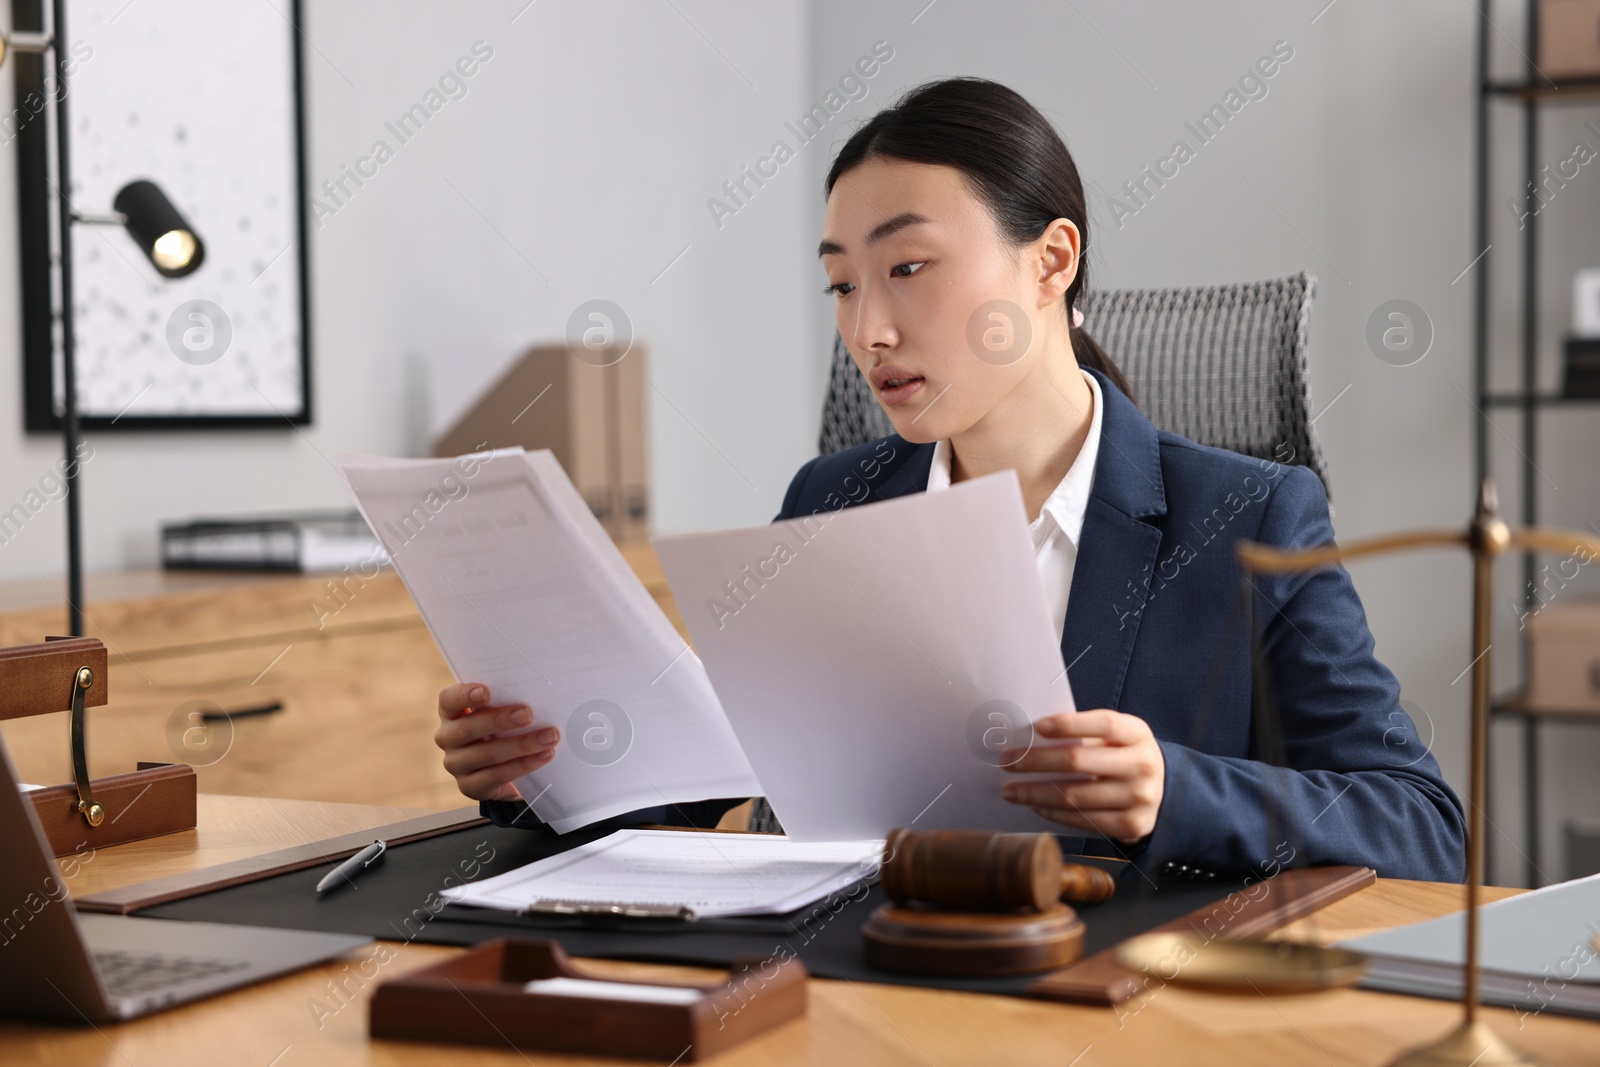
1533, 92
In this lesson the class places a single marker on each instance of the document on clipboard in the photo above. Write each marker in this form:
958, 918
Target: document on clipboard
523, 591
690, 875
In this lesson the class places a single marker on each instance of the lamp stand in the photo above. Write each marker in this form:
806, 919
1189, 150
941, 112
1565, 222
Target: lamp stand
39, 44
69, 370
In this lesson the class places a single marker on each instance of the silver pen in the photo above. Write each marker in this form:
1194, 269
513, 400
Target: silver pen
367, 857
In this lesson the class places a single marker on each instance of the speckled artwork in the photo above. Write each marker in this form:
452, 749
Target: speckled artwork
200, 98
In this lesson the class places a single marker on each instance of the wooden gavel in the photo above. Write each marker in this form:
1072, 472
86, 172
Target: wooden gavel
983, 870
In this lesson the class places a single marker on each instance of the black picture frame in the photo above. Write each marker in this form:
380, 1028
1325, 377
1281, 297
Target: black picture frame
34, 195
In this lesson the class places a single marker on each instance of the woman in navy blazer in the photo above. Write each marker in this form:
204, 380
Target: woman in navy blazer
1147, 631
955, 243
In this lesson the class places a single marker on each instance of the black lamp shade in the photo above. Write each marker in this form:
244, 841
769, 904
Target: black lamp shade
163, 235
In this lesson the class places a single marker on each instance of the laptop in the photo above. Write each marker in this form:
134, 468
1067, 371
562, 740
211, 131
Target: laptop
58, 965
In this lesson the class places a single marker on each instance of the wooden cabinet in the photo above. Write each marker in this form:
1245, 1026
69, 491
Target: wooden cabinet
195, 657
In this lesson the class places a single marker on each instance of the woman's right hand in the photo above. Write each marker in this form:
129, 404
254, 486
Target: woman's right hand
484, 766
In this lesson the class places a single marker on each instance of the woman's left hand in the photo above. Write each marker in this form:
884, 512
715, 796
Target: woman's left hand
1122, 798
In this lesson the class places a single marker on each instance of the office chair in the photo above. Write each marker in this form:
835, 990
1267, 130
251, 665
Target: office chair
1224, 365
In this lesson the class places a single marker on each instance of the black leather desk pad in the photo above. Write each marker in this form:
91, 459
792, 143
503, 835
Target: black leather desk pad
398, 901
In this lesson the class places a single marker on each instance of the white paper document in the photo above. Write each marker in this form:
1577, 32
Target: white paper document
878, 662
599, 989
523, 591
714, 874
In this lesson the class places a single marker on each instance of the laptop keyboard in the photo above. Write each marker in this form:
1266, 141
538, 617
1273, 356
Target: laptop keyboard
128, 974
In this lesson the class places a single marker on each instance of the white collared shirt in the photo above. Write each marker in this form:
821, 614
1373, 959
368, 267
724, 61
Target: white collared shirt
1056, 531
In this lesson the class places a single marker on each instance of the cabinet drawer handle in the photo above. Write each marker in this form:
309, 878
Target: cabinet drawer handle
242, 713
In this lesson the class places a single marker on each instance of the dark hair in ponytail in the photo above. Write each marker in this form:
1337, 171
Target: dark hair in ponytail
1011, 155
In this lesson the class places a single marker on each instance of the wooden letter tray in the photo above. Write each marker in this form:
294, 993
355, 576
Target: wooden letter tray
69, 673
478, 998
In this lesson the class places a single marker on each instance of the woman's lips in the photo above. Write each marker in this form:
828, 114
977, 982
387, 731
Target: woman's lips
896, 391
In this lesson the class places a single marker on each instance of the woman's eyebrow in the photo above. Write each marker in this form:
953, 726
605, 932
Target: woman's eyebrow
879, 232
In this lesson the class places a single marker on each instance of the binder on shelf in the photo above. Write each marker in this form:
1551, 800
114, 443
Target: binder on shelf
307, 542
633, 483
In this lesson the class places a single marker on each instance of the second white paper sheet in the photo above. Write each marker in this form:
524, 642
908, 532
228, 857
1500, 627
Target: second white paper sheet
524, 592
877, 661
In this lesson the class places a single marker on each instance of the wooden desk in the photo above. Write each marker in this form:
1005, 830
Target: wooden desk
348, 660
319, 1016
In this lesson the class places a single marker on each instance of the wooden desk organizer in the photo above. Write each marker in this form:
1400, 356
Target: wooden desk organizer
69, 673
478, 998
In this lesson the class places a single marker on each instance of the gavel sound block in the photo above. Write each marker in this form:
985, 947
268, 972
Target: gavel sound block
69, 673
976, 902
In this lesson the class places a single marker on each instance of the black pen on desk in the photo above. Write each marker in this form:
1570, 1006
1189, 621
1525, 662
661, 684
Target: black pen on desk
220, 715
367, 857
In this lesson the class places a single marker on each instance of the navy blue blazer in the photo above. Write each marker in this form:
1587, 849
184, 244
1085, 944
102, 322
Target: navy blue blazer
1148, 633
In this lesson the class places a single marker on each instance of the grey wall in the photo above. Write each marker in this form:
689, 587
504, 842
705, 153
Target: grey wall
580, 162
577, 166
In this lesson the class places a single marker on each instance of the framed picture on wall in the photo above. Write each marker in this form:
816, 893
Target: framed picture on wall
205, 101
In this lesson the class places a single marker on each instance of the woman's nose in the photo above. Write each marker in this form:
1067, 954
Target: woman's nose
871, 326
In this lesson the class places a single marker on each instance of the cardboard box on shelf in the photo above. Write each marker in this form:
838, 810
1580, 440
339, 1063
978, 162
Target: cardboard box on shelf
589, 409
1569, 38
1564, 657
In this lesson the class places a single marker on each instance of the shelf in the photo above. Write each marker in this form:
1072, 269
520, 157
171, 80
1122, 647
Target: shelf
1531, 89
1513, 708
1515, 400
1555, 91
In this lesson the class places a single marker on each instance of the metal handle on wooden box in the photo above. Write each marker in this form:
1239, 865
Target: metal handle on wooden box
92, 811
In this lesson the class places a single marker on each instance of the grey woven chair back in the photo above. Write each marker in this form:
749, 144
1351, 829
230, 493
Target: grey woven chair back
1224, 365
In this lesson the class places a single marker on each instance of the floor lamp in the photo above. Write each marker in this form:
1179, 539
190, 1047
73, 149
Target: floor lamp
161, 233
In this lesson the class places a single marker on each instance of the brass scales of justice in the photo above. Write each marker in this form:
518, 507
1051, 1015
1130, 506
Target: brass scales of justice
70, 673
1244, 962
